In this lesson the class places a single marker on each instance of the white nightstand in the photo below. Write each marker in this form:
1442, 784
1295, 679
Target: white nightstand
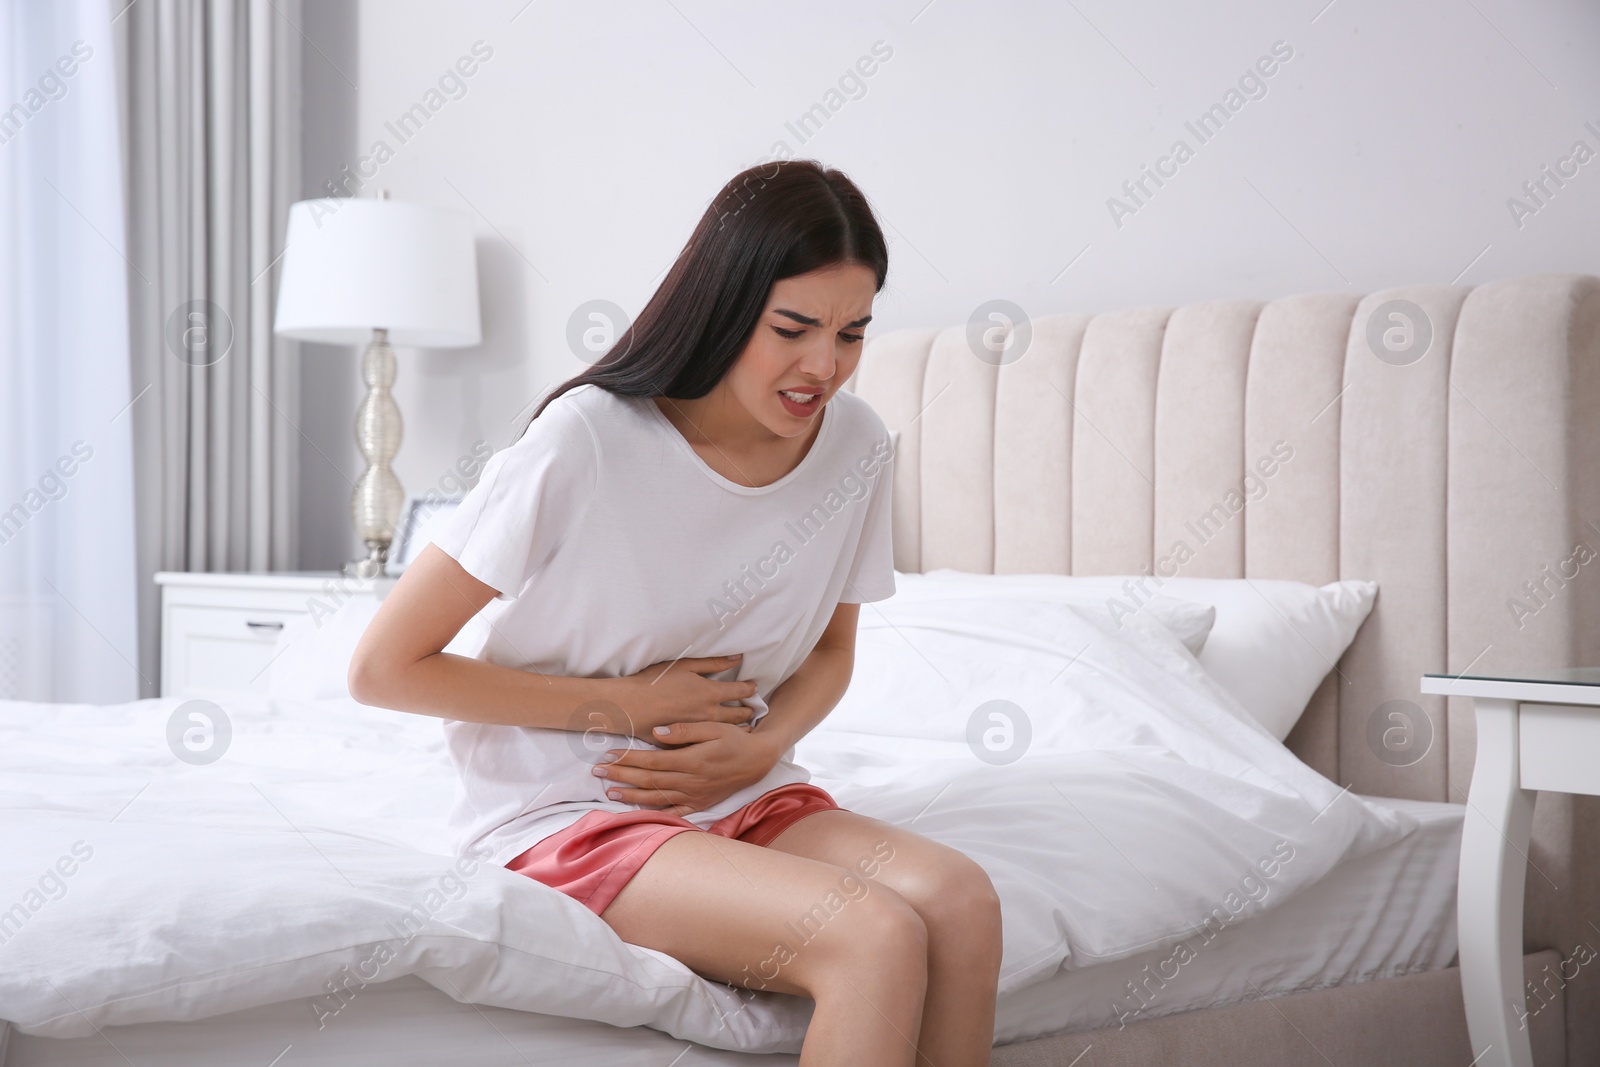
1536, 730
218, 630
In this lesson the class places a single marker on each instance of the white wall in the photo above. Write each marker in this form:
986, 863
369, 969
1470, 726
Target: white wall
1383, 152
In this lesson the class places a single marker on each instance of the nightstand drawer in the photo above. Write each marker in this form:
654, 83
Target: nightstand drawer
215, 650
219, 631
1556, 748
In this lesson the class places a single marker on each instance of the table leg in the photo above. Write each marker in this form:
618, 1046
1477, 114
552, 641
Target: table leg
1494, 863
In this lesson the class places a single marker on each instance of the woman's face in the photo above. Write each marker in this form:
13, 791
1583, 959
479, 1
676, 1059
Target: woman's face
807, 342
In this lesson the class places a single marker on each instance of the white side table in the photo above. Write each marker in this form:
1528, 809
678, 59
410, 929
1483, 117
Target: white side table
1536, 730
218, 631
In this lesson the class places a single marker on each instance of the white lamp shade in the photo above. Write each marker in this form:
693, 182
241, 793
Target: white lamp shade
352, 266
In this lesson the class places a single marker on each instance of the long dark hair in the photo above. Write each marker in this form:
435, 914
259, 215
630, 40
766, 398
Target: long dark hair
771, 222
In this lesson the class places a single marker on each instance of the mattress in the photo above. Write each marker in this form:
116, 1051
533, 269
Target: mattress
305, 858
1389, 913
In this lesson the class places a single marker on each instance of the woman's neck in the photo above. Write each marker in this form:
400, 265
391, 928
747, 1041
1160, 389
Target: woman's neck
732, 441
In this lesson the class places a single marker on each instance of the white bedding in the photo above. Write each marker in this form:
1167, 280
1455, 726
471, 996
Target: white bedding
1389, 913
1386, 914
1143, 805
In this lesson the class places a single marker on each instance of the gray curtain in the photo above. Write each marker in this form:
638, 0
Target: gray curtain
211, 116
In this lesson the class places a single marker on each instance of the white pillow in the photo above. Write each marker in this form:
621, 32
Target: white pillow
1271, 645
1188, 622
311, 660
1121, 786
1275, 641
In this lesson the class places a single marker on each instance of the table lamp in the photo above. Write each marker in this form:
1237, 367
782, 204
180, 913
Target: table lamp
388, 273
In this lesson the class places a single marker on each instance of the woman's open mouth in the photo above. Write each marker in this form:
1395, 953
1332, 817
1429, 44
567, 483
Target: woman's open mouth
801, 403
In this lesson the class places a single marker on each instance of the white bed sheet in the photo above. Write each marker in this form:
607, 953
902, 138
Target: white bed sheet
1389, 913
1144, 803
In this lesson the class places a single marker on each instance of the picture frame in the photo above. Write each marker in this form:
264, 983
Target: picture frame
422, 514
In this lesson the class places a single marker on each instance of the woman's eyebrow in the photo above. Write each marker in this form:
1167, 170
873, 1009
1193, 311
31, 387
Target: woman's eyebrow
809, 321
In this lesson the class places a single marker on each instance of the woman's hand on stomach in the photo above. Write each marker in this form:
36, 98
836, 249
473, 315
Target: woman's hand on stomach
708, 763
668, 694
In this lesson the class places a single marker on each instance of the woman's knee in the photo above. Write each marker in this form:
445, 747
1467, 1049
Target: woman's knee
856, 936
956, 899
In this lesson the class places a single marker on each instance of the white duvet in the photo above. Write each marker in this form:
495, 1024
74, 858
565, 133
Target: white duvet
1136, 801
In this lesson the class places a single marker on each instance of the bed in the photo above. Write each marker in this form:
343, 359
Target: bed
1450, 480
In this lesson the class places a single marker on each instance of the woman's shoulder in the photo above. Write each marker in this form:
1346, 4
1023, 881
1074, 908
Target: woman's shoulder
587, 399
859, 424
582, 414
567, 434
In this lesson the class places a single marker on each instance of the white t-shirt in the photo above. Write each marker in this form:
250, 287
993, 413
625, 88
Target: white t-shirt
615, 546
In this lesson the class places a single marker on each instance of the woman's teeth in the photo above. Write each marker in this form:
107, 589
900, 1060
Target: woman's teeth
800, 398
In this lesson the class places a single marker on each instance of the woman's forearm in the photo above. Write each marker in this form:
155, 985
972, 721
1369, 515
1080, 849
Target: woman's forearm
804, 700
471, 690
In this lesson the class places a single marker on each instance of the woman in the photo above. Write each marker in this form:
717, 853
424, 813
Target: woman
677, 549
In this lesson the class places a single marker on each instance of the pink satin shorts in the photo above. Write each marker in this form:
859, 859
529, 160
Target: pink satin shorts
592, 859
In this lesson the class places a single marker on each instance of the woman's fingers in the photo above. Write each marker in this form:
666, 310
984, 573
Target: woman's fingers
736, 690
650, 771
640, 759
673, 759
710, 664
684, 733
671, 799
733, 712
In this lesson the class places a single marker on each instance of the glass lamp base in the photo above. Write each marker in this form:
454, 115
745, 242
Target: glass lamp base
371, 567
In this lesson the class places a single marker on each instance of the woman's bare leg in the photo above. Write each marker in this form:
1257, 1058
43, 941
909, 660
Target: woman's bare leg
958, 906
763, 919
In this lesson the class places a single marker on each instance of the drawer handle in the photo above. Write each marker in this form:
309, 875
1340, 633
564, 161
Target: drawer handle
263, 625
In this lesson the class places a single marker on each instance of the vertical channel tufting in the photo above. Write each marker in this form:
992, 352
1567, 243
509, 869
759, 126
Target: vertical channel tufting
1113, 442
1033, 451
1524, 494
958, 457
1524, 483
889, 367
1401, 472
1292, 407
1296, 375
1464, 482
1393, 444
1199, 440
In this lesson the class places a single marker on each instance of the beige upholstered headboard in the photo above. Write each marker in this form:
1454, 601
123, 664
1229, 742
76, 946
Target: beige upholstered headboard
1453, 475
